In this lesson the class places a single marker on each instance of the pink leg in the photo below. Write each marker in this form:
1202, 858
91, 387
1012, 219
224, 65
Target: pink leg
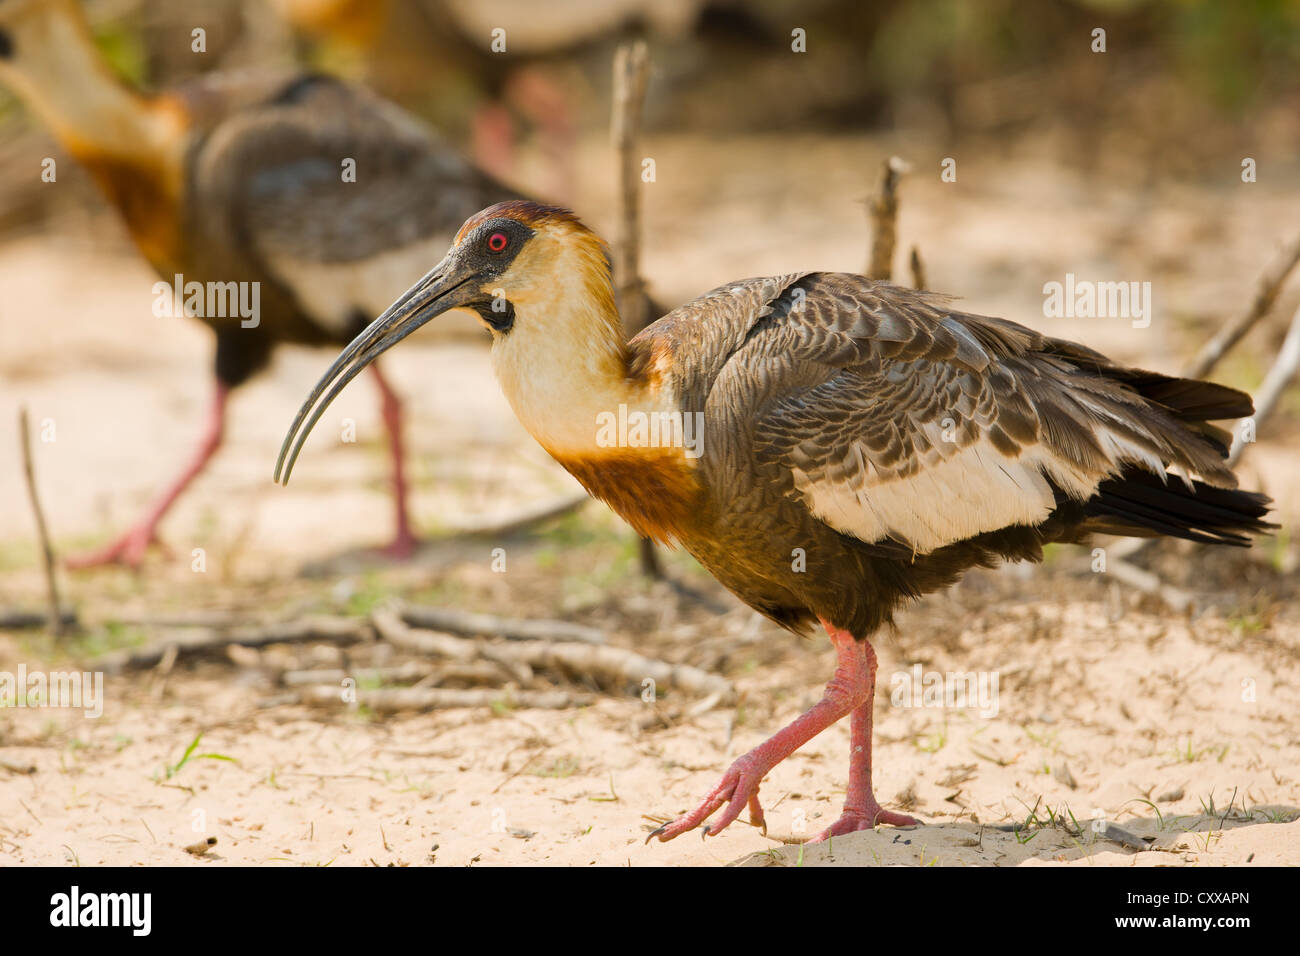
131, 547
404, 541
849, 689
493, 136
861, 811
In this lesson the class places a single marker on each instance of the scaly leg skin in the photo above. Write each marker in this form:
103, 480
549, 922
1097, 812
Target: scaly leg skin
861, 811
849, 691
404, 541
130, 548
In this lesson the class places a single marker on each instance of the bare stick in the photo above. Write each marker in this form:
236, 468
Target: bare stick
1274, 384
587, 659
1149, 583
478, 672
396, 631
884, 220
548, 649
521, 519
17, 619
489, 625
29, 472
1266, 291
619, 664
393, 629
918, 270
431, 698
210, 641
631, 73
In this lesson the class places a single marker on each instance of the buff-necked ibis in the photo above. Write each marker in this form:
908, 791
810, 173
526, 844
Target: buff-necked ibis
329, 199
888, 439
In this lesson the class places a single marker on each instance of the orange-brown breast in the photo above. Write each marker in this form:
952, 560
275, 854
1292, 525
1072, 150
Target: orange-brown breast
144, 180
657, 494
142, 192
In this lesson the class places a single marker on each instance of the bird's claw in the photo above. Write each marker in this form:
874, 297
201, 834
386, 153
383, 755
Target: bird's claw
738, 789
852, 821
129, 551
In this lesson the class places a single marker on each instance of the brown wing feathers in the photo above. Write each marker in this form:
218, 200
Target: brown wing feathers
898, 362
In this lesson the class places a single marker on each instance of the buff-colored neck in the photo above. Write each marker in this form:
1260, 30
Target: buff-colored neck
564, 363
58, 72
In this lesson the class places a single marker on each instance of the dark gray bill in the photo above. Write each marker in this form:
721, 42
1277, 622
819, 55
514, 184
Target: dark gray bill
439, 291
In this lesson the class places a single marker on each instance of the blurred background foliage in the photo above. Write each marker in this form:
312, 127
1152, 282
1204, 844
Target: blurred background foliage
1005, 73
965, 66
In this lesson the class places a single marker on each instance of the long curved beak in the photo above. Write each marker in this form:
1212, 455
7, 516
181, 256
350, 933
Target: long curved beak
439, 291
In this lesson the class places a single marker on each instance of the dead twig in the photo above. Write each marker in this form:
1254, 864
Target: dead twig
519, 520
17, 620
430, 698
1275, 383
918, 270
392, 628
589, 659
1266, 291
1149, 583
209, 641
55, 618
477, 672
884, 220
489, 625
619, 664
631, 74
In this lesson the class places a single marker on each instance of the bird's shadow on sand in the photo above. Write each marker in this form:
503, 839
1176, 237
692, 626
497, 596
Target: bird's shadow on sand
1179, 838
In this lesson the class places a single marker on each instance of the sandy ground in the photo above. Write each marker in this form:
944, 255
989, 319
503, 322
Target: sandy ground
1179, 727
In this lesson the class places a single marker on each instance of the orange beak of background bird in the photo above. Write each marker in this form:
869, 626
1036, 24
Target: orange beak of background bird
441, 289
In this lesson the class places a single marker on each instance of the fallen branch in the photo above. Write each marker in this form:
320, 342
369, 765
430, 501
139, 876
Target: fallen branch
393, 629
1266, 292
620, 664
588, 659
519, 520
1149, 583
55, 617
884, 221
1274, 384
429, 698
489, 625
660, 718
210, 641
483, 672
17, 620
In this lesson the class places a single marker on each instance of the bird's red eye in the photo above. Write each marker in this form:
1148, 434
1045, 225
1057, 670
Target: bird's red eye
497, 242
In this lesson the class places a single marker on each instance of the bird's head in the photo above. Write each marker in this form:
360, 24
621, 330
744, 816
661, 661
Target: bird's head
539, 281
48, 57
33, 38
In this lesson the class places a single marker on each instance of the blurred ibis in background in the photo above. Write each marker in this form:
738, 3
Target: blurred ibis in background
844, 445
242, 178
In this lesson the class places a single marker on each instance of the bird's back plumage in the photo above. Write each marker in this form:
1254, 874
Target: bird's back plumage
331, 198
867, 443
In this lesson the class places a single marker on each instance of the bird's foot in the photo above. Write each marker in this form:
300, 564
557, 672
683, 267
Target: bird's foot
403, 546
129, 550
738, 789
868, 818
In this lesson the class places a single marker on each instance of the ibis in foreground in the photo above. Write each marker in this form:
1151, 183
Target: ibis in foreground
828, 447
324, 199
